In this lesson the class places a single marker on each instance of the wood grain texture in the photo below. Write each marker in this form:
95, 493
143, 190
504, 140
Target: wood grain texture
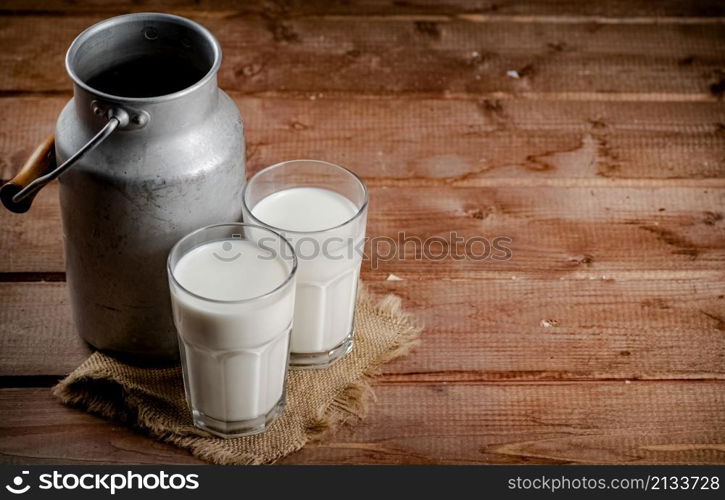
395, 57
536, 9
462, 142
475, 331
553, 230
39, 235
639, 422
34, 316
37, 429
561, 422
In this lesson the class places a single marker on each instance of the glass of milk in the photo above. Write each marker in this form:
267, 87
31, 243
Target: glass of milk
321, 208
232, 294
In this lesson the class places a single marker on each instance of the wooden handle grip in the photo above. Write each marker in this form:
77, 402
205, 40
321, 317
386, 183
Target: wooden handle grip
40, 163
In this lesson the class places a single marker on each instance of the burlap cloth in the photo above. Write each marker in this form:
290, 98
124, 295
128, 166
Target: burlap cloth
152, 400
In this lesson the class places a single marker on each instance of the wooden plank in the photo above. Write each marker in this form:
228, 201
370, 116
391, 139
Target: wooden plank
658, 422
39, 235
563, 329
481, 330
392, 56
37, 429
598, 422
554, 230
229, 8
455, 141
35, 316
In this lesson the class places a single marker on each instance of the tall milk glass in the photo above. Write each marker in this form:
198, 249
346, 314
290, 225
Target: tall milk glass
321, 208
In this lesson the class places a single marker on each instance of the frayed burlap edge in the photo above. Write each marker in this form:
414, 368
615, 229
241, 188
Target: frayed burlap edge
350, 404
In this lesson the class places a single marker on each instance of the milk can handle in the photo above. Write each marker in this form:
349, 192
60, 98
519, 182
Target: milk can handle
18, 193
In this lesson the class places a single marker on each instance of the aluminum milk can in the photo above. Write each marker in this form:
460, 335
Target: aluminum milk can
148, 149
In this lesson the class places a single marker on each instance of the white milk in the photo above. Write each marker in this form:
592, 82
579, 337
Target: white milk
234, 353
326, 284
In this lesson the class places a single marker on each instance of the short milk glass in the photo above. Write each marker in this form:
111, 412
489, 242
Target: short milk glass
232, 293
321, 208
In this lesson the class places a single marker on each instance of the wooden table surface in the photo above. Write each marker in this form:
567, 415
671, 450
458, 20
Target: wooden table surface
590, 133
